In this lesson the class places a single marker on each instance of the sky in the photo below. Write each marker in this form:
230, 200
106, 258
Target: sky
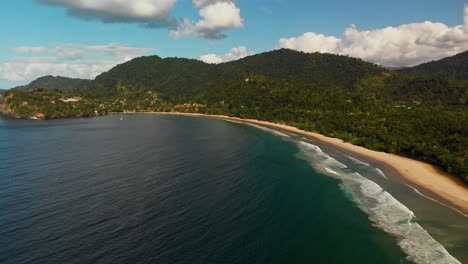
83, 38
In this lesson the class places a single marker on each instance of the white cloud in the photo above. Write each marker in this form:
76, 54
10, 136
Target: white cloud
32, 50
233, 54
79, 51
27, 69
311, 42
153, 13
404, 45
65, 51
202, 3
120, 51
215, 17
69, 60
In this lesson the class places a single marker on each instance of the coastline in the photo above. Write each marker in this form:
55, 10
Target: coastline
425, 177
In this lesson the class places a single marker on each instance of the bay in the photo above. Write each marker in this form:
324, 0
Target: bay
167, 189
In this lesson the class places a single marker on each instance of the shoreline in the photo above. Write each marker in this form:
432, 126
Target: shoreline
435, 184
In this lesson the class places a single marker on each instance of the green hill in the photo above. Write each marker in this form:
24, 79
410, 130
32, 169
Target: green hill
453, 68
422, 117
175, 77
185, 78
63, 84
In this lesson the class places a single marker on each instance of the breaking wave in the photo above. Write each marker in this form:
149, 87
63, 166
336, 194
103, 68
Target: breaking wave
381, 173
276, 132
233, 121
383, 209
358, 161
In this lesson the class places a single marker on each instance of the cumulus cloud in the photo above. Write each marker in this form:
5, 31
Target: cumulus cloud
151, 13
233, 54
216, 16
312, 42
404, 45
69, 60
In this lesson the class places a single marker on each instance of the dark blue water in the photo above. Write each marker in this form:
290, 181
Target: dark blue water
165, 189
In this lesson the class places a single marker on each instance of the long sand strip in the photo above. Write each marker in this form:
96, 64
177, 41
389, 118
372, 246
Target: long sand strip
424, 177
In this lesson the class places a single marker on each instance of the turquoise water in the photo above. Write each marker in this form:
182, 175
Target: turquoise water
166, 189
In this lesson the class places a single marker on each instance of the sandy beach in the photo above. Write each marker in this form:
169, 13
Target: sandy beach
426, 178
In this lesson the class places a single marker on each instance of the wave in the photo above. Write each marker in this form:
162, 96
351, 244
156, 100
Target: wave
434, 200
381, 173
358, 161
276, 132
383, 209
233, 121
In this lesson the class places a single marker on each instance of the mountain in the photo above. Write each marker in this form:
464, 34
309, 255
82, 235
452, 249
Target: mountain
422, 117
55, 83
280, 64
181, 79
453, 68
171, 76
178, 80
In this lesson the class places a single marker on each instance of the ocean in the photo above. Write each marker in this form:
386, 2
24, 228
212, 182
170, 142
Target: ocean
174, 189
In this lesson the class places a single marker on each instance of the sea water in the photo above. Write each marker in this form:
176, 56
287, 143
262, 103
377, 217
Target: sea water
171, 189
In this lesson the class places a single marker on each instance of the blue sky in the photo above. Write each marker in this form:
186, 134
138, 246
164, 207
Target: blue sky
77, 38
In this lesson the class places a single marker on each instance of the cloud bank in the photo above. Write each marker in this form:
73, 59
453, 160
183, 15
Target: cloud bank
233, 54
28, 69
216, 16
203, 3
69, 60
404, 45
150, 13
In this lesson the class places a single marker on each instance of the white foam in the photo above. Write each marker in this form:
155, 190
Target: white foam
381, 173
322, 157
233, 121
383, 209
276, 132
332, 171
358, 161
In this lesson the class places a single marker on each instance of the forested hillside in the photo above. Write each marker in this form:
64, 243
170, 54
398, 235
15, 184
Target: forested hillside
49, 104
63, 84
184, 79
422, 117
453, 68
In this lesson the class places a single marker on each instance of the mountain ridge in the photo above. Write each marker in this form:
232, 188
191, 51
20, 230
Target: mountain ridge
50, 82
457, 69
453, 68
185, 77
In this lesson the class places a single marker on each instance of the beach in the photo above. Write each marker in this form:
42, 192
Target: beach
428, 179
